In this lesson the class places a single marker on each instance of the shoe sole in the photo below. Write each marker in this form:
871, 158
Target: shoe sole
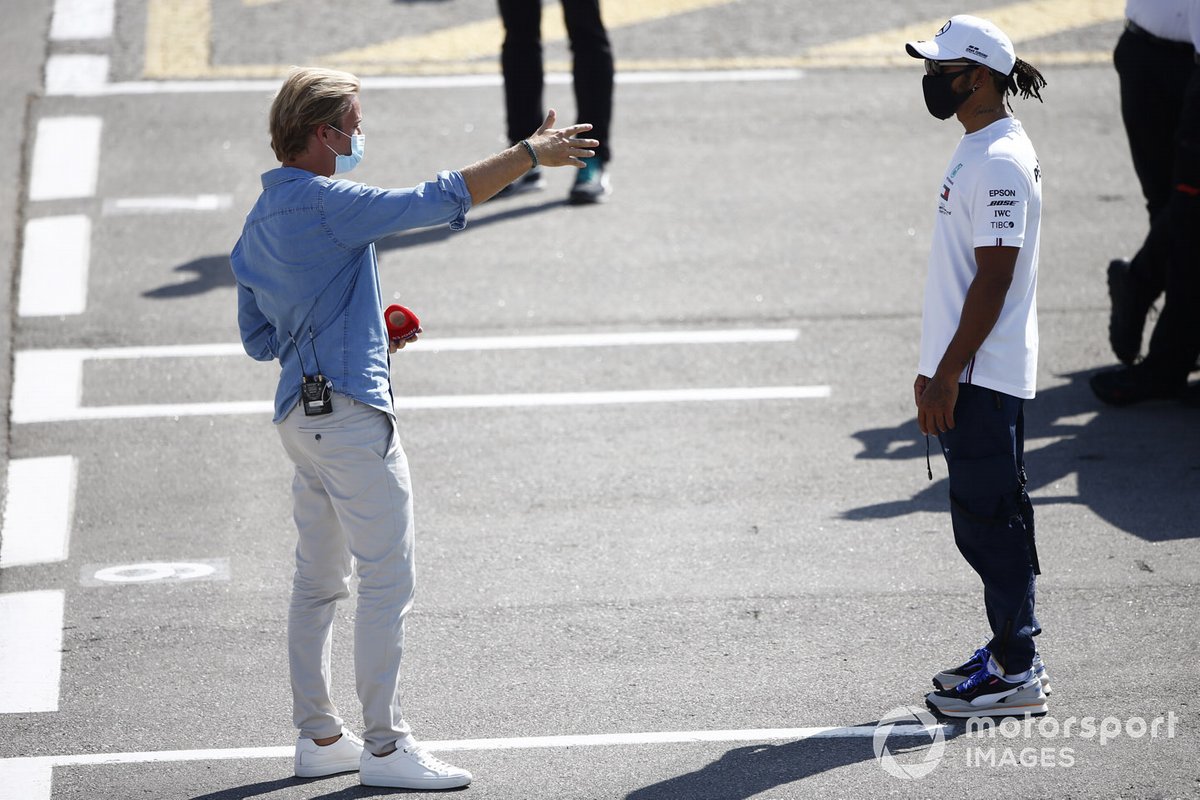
1028, 701
419, 784
944, 680
326, 771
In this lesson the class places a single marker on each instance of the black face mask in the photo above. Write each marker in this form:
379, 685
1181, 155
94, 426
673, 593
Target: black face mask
940, 98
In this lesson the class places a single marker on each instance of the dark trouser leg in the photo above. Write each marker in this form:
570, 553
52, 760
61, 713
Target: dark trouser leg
592, 69
521, 62
1175, 343
1153, 80
992, 516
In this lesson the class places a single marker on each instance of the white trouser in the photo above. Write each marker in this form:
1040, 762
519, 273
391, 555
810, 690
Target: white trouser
353, 503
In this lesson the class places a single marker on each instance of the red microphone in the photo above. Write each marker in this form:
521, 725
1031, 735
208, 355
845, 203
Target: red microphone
401, 322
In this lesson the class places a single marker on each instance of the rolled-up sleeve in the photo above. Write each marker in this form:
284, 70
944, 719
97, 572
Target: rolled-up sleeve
357, 215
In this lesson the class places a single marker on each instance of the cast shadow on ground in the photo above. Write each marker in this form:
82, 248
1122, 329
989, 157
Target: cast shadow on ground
745, 772
213, 272
1138, 468
355, 792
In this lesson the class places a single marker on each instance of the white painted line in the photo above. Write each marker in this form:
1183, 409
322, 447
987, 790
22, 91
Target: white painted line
627, 339
75, 74
31, 627
167, 204
26, 779
463, 343
25, 413
81, 19
31, 778
517, 743
48, 384
54, 266
38, 511
66, 158
410, 82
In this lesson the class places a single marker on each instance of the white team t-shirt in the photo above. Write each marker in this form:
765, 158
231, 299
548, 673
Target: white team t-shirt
991, 196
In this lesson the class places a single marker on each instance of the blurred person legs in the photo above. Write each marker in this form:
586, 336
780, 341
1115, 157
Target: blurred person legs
1153, 75
592, 73
1175, 341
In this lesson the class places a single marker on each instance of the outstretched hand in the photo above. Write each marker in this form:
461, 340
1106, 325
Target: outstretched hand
558, 147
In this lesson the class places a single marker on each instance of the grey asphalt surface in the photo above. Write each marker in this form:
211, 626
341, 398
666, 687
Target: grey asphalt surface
612, 569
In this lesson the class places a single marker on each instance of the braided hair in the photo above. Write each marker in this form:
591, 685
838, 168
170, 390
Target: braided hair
1025, 79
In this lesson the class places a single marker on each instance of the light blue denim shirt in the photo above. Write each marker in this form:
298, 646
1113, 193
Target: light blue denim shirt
306, 269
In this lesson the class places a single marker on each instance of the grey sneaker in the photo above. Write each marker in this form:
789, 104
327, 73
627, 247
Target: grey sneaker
410, 767
315, 761
949, 678
988, 693
591, 184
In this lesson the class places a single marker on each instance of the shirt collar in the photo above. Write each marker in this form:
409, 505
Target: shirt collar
284, 174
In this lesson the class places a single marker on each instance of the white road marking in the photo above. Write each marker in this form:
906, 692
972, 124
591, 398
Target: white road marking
31, 627
409, 82
37, 515
81, 19
54, 266
75, 74
207, 569
66, 158
167, 204
514, 743
48, 384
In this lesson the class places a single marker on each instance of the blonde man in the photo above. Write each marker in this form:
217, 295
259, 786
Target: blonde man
309, 297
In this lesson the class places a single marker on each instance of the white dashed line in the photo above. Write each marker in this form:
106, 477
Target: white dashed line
167, 204
48, 384
31, 627
75, 74
37, 514
54, 266
66, 158
81, 19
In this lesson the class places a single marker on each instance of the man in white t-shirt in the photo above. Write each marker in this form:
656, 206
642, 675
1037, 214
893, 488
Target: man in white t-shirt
979, 346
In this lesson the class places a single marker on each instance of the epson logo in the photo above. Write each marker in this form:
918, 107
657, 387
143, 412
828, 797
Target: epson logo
1002, 193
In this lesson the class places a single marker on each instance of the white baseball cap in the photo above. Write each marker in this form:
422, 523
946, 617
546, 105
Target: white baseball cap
972, 38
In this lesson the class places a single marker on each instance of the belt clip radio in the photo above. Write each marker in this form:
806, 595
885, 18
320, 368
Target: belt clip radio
316, 393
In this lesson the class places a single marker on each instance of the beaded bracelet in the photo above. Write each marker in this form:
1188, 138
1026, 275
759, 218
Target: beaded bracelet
532, 154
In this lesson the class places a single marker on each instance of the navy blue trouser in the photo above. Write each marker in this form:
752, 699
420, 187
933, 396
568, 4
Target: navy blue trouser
992, 515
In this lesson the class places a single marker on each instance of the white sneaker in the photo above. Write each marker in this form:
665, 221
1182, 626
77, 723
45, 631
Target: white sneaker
315, 761
410, 767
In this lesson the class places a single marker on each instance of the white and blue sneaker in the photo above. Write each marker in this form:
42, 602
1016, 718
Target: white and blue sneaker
949, 678
991, 693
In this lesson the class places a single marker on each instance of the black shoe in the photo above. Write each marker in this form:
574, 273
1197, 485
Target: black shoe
529, 182
591, 184
1127, 319
1128, 385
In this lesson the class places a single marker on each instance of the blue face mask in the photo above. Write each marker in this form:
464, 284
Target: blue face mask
358, 143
